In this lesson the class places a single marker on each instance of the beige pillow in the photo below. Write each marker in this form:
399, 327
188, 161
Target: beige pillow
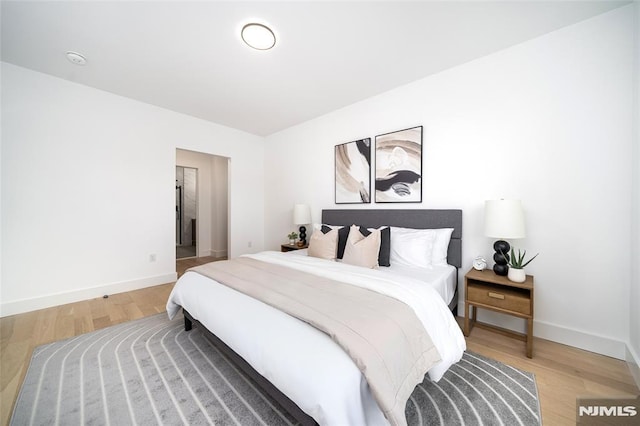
324, 246
361, 250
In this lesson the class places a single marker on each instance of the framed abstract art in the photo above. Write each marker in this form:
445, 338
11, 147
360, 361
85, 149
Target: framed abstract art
398, 176
353, 172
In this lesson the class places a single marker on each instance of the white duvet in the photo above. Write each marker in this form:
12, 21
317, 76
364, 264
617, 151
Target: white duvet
304, 363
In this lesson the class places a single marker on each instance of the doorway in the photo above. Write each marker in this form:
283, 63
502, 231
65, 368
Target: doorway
186, 212
208, 175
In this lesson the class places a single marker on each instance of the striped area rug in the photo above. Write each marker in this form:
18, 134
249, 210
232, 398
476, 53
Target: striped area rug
150, 371
476, 391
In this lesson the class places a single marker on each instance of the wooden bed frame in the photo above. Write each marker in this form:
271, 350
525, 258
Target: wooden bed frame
418, 219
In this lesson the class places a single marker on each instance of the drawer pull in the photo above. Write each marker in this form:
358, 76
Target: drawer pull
496, 295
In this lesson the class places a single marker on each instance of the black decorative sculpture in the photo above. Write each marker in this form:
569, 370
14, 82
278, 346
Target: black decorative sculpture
501, 257
303, 235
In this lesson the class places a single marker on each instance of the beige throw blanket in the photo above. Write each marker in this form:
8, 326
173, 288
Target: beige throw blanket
382, 335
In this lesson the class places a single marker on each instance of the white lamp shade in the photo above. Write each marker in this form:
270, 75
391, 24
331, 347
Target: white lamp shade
504, 219
301, 214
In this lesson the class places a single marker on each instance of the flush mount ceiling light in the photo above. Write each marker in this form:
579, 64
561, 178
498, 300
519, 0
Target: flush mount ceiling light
258, 36
76, 58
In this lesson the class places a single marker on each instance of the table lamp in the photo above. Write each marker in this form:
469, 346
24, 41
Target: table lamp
503, 219
302, 216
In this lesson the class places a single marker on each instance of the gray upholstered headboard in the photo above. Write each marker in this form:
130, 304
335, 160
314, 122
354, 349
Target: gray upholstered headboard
418, 219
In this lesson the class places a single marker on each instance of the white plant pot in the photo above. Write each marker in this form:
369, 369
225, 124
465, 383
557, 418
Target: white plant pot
516, 275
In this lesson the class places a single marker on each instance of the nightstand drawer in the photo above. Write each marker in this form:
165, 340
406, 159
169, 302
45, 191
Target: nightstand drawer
500, 297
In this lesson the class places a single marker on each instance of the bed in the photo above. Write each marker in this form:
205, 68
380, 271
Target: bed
301, 367
416, 219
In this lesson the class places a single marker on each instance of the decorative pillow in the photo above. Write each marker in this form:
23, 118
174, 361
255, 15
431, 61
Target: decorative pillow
323, 245
441, 246
343, 233
385, 243
361, 250
412, 247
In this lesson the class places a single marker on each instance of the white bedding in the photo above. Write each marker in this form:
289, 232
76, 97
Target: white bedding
304, 363
442, 278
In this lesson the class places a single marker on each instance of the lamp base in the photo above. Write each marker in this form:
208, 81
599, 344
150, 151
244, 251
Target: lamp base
303, 235
501, 257
502, 270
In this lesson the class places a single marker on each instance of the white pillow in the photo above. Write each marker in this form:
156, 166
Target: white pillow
441, 246
324, 246
361, 250
412, 247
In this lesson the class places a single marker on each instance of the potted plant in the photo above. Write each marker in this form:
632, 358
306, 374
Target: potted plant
516, 265
292, 238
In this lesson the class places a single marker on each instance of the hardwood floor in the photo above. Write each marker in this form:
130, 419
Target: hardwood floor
563, 373
20, 334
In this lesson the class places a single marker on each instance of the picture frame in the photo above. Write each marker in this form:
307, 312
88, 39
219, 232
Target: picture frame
353, 172
398, 173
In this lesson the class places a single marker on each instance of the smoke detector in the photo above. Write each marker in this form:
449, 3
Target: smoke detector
76, 58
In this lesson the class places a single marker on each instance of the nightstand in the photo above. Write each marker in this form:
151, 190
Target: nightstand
289, 247
485, 289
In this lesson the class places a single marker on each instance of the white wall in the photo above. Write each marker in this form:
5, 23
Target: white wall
88, 190
634, 301
220, 206
549, 122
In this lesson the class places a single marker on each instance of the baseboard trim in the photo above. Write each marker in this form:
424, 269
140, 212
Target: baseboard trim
633, 361
218, 253
588, 341
602, 345
56, 299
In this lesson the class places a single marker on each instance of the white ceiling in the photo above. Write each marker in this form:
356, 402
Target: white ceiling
188, 56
